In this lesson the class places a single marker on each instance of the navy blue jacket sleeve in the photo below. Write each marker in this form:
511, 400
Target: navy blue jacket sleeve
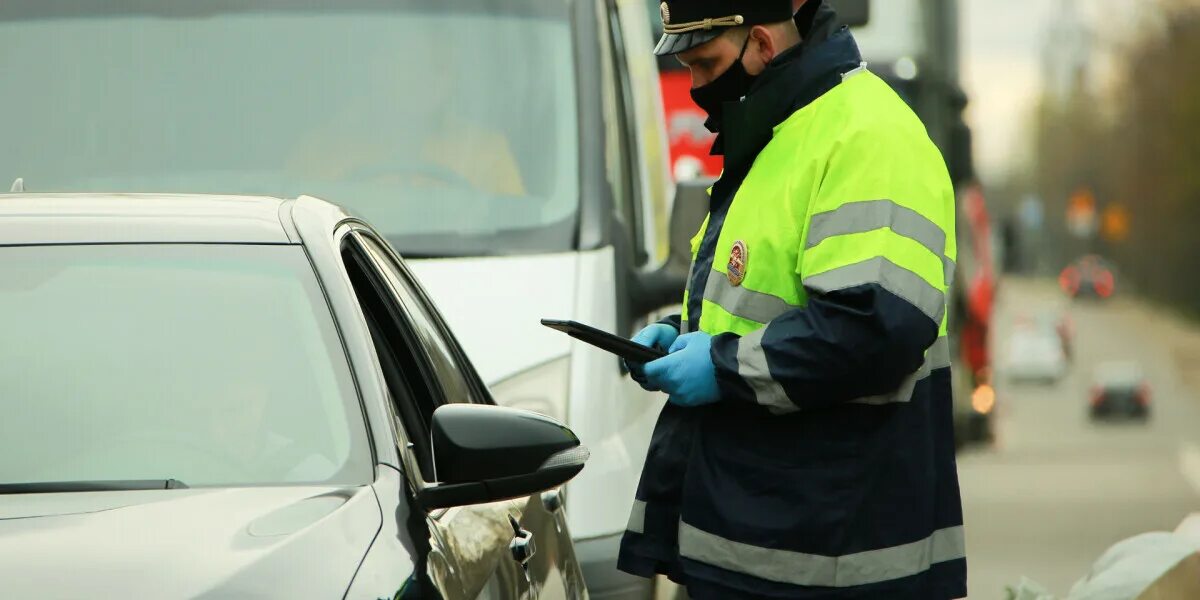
675, 321
848, 345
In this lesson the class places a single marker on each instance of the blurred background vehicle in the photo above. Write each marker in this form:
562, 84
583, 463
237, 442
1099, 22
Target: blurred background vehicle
1051, 322
1120, 391
1060, 322
1035, 353
1090, 277
972, 301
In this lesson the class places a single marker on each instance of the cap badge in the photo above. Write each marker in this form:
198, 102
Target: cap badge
666, 13
738, 260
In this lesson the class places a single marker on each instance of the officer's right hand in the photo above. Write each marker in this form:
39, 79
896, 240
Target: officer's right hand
658, 335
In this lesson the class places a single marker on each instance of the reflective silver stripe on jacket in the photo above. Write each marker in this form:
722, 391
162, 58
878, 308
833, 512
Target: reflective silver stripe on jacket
740, 302
637, 517
814, 570
892, 277
861, 217
937, 357
753, 369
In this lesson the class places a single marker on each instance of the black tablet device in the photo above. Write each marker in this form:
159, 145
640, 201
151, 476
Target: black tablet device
627, 349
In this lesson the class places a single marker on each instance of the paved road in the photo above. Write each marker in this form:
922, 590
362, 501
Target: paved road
1058, 490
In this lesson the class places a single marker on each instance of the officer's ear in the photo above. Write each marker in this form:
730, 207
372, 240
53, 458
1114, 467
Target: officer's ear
769, 41
762, 49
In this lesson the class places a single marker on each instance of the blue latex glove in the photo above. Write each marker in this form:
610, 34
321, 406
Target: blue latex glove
658, 335
687, 374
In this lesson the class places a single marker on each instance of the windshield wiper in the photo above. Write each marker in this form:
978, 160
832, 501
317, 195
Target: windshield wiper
55, 487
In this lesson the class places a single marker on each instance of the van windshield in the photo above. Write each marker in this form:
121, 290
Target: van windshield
451, 126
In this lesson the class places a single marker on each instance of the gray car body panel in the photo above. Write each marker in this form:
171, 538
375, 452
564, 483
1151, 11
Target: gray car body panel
278, 542
139, 218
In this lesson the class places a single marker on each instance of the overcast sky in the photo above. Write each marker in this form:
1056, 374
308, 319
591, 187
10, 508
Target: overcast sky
1003, 43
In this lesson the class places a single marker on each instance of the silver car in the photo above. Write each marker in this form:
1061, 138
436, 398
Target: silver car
224, 397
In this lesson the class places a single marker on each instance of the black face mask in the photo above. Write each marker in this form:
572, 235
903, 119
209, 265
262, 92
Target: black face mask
731, 86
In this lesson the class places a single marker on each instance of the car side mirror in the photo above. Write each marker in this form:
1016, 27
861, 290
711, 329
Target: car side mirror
665, 286
490, 453
854, 13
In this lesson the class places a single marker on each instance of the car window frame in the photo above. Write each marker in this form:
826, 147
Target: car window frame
408, 424
477, 392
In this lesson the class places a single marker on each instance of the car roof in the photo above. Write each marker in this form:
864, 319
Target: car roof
29, 219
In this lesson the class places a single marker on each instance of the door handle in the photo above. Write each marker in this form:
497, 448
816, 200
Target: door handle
522, 546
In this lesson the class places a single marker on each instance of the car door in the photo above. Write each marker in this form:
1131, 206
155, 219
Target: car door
642, 188
510, 549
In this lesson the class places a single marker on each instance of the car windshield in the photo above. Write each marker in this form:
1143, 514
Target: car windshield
451, 126
211, 365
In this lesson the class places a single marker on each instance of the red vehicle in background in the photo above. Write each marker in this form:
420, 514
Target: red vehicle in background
979, 279
972, 299
690, 141
1089, 277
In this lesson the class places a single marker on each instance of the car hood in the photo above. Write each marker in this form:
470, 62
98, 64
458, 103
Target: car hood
495, 305
278, 542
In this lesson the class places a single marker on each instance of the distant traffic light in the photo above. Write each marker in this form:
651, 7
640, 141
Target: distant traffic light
1114, 223
1081, 213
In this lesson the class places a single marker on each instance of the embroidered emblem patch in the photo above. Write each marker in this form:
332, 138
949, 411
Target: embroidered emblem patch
739, 259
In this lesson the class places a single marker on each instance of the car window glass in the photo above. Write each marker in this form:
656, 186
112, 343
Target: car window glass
450, 375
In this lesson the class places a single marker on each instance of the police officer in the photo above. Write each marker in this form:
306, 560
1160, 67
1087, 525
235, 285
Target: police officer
806, 450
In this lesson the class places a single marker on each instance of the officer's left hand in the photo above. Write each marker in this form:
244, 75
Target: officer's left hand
687, 374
